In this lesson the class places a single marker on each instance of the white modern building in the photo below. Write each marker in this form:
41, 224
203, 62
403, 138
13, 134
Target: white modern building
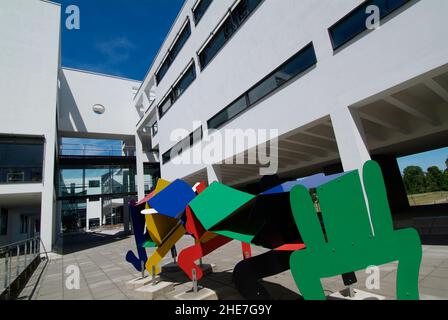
337, 88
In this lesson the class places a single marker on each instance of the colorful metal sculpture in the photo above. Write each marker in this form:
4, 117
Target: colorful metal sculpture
351, 244
283, 219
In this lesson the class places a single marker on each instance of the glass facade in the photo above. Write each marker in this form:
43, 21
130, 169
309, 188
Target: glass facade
230, 25
200, 9
151, 176
96, 181
299, 63
354, 23
179, 88
173, 52
21, 160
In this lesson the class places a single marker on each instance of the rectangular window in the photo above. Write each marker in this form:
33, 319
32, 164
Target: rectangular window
21, 160
179, 88
173, 52
228, 113
3, 222
230, 25
200, 9
24, 224
354, 23
183, 145
293, 67
94, 184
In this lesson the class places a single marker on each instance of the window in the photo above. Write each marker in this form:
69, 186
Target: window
299, 63
183, 145
21, 160
94, 184
174, 51
24, 224
151, 176
355, 22
200, 9
179, 88
230, 25
3, 222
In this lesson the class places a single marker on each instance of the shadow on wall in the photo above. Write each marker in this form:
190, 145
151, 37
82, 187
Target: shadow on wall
70, 118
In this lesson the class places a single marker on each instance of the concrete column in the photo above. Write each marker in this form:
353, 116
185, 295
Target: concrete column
126, 214
47, 218
140, 167
396, 191
351, 139
214, 174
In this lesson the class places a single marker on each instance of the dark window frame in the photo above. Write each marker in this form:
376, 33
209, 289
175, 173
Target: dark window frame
223, 22
189, 141
250, 104
171, 94
353, 12
168, 60
196, 6
4, 222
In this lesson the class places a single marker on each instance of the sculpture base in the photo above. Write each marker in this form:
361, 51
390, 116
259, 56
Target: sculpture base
139, 282
357, 295
203, 294
152, 292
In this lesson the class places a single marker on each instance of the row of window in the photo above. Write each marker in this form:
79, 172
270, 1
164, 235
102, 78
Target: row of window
230, 25
341, 33
200, 9
178, 89
174, 51
354, 23
235, 19
198, 12
296, 65
183, 145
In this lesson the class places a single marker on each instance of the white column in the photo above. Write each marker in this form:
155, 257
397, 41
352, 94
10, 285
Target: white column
214, 174
350, 138
140, 168
47, 219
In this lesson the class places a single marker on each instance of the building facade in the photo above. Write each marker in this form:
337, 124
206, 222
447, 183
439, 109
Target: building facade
339, 82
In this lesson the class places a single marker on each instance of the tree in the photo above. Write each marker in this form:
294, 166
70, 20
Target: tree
434, 179
414, 180
445, 180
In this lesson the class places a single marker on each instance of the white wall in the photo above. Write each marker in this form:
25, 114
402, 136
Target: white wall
94, 211
80, 91
29, 62
407, 45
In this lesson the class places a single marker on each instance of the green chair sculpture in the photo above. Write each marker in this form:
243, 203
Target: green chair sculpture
349, 244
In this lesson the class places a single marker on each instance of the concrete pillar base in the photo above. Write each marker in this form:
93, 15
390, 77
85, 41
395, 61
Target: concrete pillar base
152, 292
204, 294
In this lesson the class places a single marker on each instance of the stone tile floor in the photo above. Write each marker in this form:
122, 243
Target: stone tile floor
104, 273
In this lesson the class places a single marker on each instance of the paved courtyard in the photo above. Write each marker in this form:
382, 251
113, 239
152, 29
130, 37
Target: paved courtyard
104, 273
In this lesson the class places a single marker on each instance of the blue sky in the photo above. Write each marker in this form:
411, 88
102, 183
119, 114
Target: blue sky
122, 37
117, 37
425, 160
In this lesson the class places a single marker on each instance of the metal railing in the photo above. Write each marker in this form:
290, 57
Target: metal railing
89, 150
15, 258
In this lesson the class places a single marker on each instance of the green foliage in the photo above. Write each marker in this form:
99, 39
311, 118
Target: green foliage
414, 180
417, 181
